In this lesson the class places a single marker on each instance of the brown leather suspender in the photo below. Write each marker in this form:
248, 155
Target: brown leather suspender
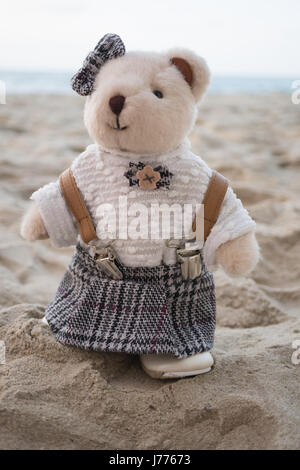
212, 202
77, 206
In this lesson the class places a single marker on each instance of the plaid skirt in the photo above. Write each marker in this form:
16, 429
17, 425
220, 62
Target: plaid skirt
151, 310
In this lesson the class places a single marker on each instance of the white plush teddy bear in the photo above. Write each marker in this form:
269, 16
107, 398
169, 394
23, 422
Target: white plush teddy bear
133, 286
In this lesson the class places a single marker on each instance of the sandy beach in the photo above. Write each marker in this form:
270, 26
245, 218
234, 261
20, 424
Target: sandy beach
57, 397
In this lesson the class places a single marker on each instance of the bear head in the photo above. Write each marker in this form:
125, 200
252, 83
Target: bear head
141, 102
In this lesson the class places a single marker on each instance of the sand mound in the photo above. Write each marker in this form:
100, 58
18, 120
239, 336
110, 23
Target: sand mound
242, 304
57, 397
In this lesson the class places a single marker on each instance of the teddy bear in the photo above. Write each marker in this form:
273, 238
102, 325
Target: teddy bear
133, 286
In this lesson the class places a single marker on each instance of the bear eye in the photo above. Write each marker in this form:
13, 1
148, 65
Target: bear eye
158, 94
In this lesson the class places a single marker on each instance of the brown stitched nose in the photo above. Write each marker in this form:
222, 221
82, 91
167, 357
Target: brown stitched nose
116, 104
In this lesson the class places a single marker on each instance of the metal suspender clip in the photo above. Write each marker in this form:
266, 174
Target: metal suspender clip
189, 257
105, 258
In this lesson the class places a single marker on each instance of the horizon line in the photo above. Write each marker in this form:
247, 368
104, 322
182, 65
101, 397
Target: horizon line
214, 75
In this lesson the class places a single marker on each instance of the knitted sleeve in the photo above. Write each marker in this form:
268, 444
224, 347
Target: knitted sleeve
233, 222
56, 216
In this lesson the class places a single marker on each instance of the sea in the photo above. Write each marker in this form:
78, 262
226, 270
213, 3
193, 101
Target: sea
20, 82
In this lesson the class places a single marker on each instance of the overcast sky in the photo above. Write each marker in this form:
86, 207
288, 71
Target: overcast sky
237, 37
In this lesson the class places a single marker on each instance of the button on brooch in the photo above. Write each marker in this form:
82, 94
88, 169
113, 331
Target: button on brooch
148, 178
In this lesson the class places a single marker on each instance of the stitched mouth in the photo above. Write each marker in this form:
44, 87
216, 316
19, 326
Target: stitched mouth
119, 128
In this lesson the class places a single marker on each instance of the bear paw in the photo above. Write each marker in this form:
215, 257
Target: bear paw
33, 227
239, 257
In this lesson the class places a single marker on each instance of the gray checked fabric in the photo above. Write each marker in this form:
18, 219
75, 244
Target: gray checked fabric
109, 47
151, 310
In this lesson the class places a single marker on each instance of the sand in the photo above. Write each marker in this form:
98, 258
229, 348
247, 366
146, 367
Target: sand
56, 397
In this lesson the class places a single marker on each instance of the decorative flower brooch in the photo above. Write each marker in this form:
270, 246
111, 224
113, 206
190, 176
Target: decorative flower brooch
147, 177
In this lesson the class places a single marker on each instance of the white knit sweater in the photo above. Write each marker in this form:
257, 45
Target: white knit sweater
99, 175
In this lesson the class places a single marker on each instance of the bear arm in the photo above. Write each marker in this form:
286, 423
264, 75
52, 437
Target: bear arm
56, 216
239, 256
33, 227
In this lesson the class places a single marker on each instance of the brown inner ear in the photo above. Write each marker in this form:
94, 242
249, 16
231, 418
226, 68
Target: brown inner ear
184, 67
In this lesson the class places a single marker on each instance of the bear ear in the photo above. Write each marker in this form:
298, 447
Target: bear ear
193, 69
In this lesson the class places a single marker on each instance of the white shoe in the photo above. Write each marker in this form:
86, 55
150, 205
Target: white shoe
44, 321
165, 366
